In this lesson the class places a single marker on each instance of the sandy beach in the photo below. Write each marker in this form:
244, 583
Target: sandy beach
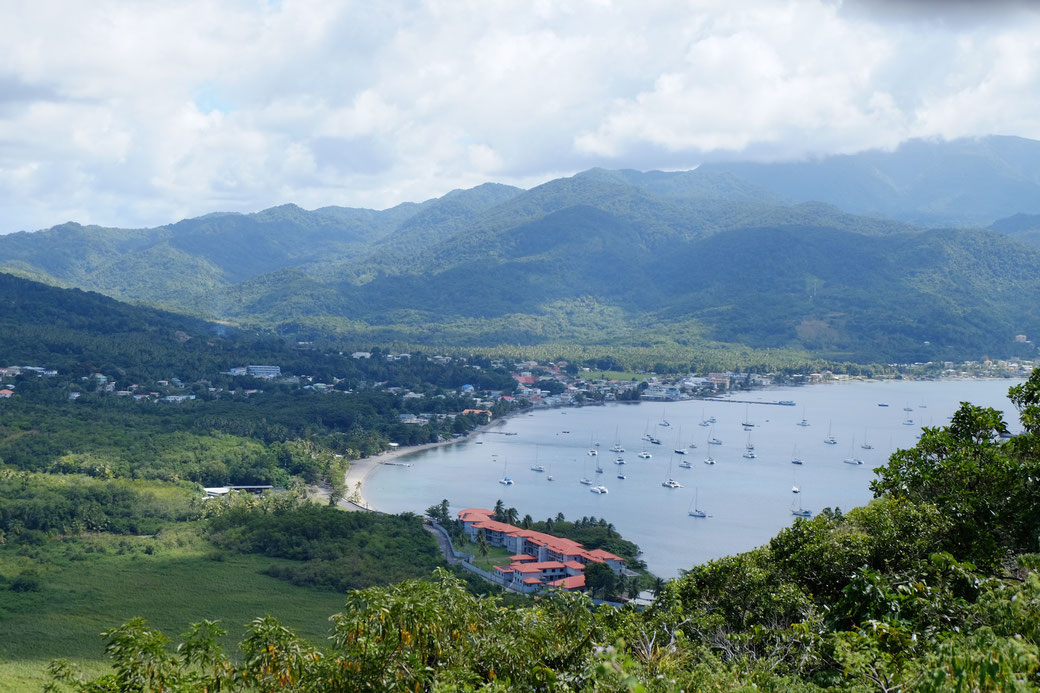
360, 469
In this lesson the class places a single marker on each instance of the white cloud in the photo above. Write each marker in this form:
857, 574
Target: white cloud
126, 113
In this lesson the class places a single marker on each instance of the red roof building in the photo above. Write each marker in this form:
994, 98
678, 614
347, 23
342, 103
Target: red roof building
539, 558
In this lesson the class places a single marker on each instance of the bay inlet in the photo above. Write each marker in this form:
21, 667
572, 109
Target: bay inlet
746, 499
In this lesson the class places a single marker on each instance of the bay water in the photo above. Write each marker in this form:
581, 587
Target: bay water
747, 500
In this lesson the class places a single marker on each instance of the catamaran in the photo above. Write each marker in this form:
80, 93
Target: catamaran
505, 480
670, 482
852, 459
830, 440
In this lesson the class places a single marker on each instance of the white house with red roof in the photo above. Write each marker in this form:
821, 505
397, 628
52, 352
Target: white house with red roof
540, 560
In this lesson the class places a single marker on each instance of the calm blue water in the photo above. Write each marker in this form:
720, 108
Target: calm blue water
748, 500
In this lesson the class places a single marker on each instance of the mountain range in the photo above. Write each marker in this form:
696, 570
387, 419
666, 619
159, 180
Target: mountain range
876, 256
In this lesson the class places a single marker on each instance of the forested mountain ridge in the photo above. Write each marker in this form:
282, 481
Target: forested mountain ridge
964, 182
609, 257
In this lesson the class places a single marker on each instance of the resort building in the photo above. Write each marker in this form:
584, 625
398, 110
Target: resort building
540, 560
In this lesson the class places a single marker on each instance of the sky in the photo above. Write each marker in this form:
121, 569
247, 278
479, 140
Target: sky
136, 114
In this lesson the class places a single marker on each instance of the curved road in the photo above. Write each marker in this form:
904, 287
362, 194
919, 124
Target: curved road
443, 542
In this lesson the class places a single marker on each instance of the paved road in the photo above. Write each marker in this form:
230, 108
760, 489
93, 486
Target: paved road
442, 541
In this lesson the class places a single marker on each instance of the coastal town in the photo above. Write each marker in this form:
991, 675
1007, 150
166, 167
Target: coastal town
533, 383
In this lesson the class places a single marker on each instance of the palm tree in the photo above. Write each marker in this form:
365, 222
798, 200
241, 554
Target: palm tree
610, 530
560, 517
500, 509
658, 587
482, 544
526, 522
512, 516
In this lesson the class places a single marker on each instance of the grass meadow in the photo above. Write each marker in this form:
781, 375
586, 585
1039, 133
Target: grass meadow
88, 584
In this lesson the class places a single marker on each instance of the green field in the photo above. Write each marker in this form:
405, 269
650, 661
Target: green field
95, 583
497, 555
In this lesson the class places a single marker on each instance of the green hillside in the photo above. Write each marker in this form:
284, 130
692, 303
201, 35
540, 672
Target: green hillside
707, 257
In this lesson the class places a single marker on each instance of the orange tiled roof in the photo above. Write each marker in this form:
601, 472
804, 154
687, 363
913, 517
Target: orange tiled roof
569, 583
481, 519
544, 565
521, 557
532, 581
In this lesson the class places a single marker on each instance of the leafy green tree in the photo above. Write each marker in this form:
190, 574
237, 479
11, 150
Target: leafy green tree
600, 579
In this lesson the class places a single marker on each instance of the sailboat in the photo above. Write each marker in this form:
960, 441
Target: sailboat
712, 440
747, 419
685, 464
866, 445
678, 445
709, 460
505, 480
585, 475
664, 421
704, 421
800, 511
693, 510
599, 469
852, 459
749, 449
830, 440
599, 489
537, 467
617, 442
644, 455
549, 476
670, 482
804, 421
794, 482
795, 459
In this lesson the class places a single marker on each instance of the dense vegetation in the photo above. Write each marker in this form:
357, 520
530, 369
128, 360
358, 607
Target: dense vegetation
690, 262
331, 549
932, 586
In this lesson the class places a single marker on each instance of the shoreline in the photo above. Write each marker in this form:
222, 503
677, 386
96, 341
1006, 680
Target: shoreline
360, 469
